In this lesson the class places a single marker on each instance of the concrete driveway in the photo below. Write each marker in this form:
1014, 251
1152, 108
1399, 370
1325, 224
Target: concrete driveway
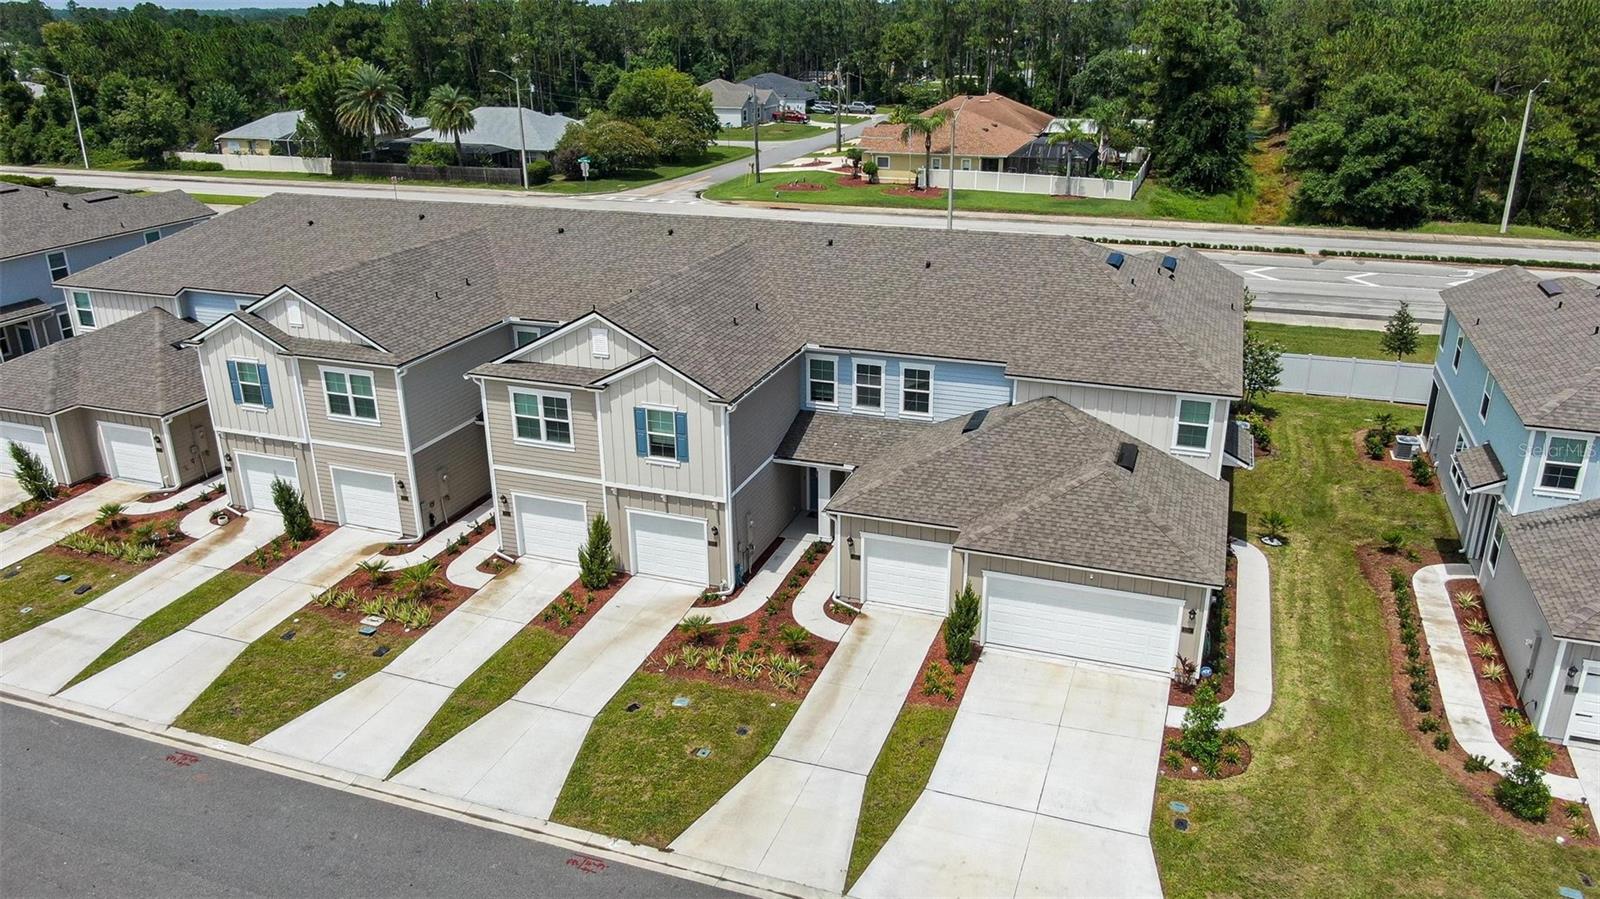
11, 492
794, 816
45, 658
75, 514
367, 728
158, 683
1044, 788
517, 757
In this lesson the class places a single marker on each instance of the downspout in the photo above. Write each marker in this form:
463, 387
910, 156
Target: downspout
1550, 689
172, 458
405, 437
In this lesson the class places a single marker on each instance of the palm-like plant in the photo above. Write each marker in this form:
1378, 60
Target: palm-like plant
449, 111
914, 123
1071, 135
370, 104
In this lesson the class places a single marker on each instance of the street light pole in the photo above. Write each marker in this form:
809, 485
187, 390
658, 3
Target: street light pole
950, 194
73, 96
755, 129
522, 132
1516, 165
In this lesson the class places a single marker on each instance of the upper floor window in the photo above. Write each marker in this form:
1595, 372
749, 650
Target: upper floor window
64, 322
869, 386
83, 307
542, 417
1461, 440
916, 390
1488, 391
524, 335
822, 376
1561, 469
250, 384
663, 434
1194, 426
1493, 556
58, 266
1455, 361
350, 394
151, 237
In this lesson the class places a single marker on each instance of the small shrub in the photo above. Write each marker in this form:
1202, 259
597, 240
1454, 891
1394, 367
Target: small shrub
1172, 760
1202, 737
1467, 600
795, 637
32, 475
697, 628
1231, 756
1485, 651
1573, 810
1394, 540
1441, 741
110, 515
1375, 444
1476, 764
938, 680
296, 519
1422, 701
374, 606
870, 169
1421, 471
376, 570
1523, 792
597, 565
431, 154
1274, 524
961, 626
1479, 627
1579, 830
1428, 724
1512, 718
539, 171
1494, 672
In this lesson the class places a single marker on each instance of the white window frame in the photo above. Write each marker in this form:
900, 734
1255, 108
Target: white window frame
518, 332
295, 315
671, 433
1178, 423
855, 385
1461, 440
834, 383
966, 163
1455, 360
1458, 478
148, 240
1488, 393
5, 345
1491, 556
882, 161
915, 366
65, 266
600, 343
255, 368
539, 396
1544, 459
350, 394
83, 303
64, 323
937, 163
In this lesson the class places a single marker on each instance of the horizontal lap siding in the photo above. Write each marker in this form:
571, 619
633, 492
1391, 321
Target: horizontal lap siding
762, 419
1151, 417
233, 444
510, 484
622, 500
438, 397
959, 388
583, 460
763, 509
452, 475
850, 561
387, 433
58, 458
329, 457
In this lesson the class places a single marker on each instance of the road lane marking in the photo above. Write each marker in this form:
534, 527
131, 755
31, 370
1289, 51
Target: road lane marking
1470, 274
1259, 273
1357, 279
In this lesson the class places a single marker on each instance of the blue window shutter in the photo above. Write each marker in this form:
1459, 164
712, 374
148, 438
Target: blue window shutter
682, 423
641, 442
233, 381
266, 388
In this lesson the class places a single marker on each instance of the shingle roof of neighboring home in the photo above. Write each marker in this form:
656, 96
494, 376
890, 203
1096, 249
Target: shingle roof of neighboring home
1558, 551
134, 366
541, 373
272, 126
496, 126
989, 125
784, 86
831, 439
35, 221
1041, 480
416, 276
727, 95
22, 311
1480, 466
1542, 350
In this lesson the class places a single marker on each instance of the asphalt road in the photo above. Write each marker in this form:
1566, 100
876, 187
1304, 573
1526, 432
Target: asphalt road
89, 812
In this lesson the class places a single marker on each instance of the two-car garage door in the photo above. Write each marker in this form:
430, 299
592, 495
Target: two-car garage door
1081, 622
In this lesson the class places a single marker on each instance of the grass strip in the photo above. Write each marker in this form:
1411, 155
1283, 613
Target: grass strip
171, 618
1343, 343
35, 589
898, 778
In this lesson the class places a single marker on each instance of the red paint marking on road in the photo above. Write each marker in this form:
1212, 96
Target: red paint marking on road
586, 864
182, 759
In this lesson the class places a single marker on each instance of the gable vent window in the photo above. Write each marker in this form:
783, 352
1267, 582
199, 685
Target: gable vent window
297, 318
599, 343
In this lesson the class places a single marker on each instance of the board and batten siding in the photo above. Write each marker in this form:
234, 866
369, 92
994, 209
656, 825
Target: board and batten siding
452, 475
438, 396
762, 510
582, 461
850, 561
959, 388
58, 458
208, 308
111, 307
620, 501
234, 444
80, 432
511, 484
194, 445
760, 420
653, 385
238, 342
574, 347
386, 433
330, 457
314, 324
1151, 417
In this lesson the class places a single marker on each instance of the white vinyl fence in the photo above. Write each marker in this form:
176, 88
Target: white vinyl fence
244, 162
1364, 379
1054, 185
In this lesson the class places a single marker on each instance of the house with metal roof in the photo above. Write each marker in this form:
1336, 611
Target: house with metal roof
1513, 425
495, 134
278, 134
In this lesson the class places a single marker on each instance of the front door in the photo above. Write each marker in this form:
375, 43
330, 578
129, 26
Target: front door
1586, 706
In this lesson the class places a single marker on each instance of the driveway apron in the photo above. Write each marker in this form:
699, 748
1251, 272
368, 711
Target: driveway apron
794, 816
75, 514
367, 728
1043, 789
158, 683
45, 658
11, 492
517, 757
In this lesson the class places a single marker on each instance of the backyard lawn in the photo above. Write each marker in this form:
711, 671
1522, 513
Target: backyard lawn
773, 131
35, 589
1340, 800
171, 618
714, 156
1342, 342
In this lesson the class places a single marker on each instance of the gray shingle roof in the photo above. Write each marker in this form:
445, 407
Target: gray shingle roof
727, 95
35, 221
1542, 350
22, 311
134, 366
1480, 466
495, 128
784, 86
541, 373
1040, 480
1558, 551
830, 439
272, 126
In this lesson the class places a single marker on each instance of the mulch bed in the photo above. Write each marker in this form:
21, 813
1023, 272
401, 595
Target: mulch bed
710, 600
919, 695
843, 613
1391, 463
28, 508
800, 186
1183, 694
1375, 565
842, 169
848, 181
441, 596
1187, 769
932, 193
165, 523
580, 604
400, 549
280, 549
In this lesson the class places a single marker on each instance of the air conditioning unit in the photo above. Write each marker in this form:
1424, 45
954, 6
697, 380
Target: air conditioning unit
1406, 447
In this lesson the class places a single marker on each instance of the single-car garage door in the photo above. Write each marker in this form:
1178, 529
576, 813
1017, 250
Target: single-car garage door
31, 438
669, 546
131, 453
366, 499
550, 528
1081, 622
256, 474
900, 572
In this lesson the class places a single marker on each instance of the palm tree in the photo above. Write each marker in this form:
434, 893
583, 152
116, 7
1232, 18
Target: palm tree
1071, 134
912, 124
449, 111
369, 104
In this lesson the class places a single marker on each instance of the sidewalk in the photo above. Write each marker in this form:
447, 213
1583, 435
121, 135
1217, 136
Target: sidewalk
1252, 651
48, 527
767, 579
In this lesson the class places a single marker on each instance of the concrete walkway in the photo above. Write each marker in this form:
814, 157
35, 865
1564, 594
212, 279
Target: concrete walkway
463, 569
197, 523
11, 492
767, 579
811, 605
367, 728
46, 528
1044, 788
1458, 683
158, 683
1252, 652
46, 658
435, 545
166, 504
794, 816
517, 757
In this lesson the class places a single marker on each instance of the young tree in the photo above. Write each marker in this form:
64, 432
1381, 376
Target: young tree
961, 626
1202, 730
145, 119
449, 111
317, 93
1524, 792
370, 104
1263, 366
32, 475
663, 92
1071, 135
1400, 334
1201, 87
914, 123
296, 520
596, 563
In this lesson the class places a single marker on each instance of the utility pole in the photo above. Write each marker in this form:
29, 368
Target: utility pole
78, 125
950, 195
522, 131
1516, 165
838, 109
755, 129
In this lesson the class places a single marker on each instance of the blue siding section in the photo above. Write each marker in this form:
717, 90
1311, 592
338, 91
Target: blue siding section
28, 278
959, 388
208, 308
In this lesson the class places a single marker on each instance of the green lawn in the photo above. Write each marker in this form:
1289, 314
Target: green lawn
897, 778
637, 776
714, 156
1342, 342
170, 619
830, 119
34, 588
1487, 229
224, 199
499, 679
1340, 800
774, 131
275, 680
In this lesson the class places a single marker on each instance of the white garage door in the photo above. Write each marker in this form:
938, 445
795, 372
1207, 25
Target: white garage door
131, 453
550, 528
366, 499
1081, 622
669, 546
900, 572
32, 440
256, 474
